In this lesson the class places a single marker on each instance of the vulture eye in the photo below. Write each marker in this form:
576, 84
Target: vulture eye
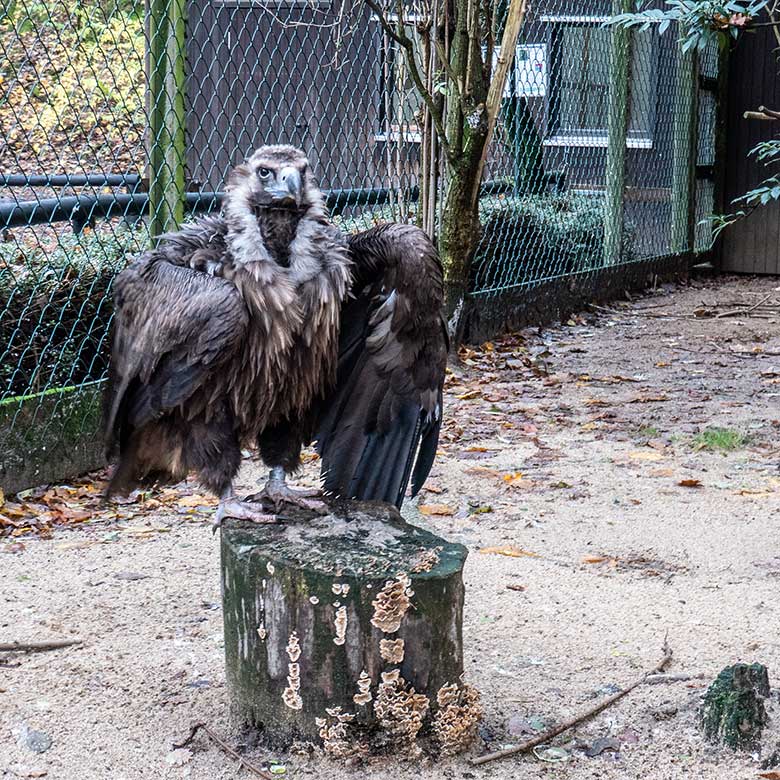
264, 173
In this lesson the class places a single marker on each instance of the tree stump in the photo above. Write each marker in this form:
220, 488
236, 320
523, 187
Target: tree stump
346, 628
733, 711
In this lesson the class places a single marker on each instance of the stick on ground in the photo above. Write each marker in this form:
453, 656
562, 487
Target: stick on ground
567, 724
242, 762
38, 647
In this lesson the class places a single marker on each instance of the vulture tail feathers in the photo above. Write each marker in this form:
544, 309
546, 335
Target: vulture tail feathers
426, 455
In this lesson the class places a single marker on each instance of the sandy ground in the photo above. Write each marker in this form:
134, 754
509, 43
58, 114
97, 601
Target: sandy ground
572, 444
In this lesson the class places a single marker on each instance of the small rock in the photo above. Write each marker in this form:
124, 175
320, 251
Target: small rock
519, 727
486, 733
178, 757
665, 712
131, 576
628, 737
20, 770
551, 755
37, 741
602, 744
772, 760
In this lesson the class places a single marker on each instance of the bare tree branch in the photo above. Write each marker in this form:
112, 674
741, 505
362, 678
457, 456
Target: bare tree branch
402, 39
514, 21
450, 73
589, 713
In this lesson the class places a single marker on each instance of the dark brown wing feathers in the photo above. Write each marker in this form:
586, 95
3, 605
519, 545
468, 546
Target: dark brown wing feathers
381, 423
174, 333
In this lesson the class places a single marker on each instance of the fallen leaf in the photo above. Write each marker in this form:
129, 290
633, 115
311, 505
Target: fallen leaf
518, 588
516, 479
754, 493
690, 483
484, 471
436, 509
595, 402
309, 457
470, 395
64, 546
773, 775
509, 551
196, 500
595, 558
480, 510
647, 399
661, 473
645, 455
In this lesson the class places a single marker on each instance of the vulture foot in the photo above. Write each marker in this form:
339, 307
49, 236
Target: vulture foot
277, 493
241, 510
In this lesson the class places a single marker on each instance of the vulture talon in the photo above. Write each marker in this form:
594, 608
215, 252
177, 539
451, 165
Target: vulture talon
242, 510
278, 498
277, 493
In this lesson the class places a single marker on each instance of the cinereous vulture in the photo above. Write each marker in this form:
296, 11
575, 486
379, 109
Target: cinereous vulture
266, 327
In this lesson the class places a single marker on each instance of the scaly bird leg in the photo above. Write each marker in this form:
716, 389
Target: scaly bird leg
230, 506
277, 492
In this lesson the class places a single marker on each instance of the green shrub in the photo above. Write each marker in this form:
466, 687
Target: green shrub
55, 307
540, 237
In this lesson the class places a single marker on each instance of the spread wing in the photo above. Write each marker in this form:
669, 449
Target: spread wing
380, 426
174, 331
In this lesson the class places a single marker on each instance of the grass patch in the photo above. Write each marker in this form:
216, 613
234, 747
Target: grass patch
648, 432
720, 439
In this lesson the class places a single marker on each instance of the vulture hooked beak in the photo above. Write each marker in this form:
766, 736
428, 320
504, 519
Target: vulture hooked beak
288, 187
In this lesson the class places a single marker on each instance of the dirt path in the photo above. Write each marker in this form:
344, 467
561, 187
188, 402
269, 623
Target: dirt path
586, 453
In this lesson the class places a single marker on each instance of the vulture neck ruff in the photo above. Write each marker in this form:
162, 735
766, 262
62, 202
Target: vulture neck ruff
289, 353
278, 236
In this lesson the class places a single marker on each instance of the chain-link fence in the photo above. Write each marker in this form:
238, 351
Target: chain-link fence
119, 118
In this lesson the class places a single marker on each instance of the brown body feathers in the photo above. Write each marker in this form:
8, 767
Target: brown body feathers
240, 330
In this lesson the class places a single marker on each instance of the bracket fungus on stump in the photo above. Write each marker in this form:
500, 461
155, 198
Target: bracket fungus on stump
345, 629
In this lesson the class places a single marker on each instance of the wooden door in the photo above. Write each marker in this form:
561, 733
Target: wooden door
752, 244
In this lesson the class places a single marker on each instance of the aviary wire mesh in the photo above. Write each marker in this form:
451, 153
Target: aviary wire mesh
119, 118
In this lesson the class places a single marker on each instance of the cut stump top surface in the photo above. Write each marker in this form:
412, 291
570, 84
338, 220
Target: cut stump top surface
355, 539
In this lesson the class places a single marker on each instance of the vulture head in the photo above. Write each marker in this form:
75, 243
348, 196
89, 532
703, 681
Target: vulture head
267, 197
275, 177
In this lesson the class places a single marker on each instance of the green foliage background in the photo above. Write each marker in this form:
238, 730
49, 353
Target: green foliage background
71, 86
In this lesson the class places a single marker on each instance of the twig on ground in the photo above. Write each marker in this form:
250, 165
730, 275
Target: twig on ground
744, 311
642, 313
540, 739
38, 647
242, 762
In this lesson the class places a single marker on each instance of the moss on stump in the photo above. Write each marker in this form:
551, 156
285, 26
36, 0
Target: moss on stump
346, 630
733, 711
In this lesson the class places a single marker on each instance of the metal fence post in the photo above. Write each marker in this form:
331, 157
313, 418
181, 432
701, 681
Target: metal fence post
617, 131
166, 114
684, 161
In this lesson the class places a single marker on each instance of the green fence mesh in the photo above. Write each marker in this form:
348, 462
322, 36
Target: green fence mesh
119, 118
